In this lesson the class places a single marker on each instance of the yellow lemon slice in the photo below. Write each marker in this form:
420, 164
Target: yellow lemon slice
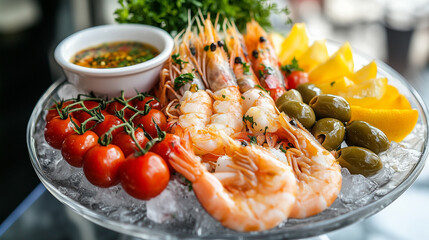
365, 73
338, 65
276, 39
313, 56
294, 44
395, 123
336, 86
373, 88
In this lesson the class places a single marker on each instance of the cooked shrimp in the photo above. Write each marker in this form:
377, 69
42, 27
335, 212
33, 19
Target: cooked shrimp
264, 59
238, 59
181, 71
227, 109
216, 68
317, 172
255, 193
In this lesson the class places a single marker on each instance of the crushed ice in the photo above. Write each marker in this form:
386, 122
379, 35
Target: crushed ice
177, 208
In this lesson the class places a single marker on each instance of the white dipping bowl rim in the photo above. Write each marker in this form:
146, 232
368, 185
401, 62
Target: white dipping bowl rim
66, 49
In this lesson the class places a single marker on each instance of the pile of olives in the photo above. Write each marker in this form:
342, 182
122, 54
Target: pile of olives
325, 115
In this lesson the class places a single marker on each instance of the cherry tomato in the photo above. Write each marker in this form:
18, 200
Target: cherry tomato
148, 123
53, 111
145, 176
83, 116
109, 122
101, 165
116, 106
155, 104
165, 147
126, 143
76, 145
57, 130
296, 78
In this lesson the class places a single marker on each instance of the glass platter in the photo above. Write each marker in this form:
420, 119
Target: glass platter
177, 214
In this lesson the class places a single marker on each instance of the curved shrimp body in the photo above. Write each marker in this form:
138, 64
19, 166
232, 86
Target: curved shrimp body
261, 115
317, 172
264, 59
196, 111
218, 73
256, 193
227, 111
239, 60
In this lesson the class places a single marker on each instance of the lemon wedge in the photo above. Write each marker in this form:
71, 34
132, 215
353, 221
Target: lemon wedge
338, 65
395, 123
313, 56
365, 73
294, 44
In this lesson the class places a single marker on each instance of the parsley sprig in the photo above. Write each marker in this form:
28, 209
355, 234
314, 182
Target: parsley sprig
293, 66
183, 79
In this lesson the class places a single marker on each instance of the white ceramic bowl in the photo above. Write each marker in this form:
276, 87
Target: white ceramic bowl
110, 82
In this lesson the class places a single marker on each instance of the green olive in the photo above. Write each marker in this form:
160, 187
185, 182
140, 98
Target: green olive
291, 95
359, 160
327, 105
329, 132
362, 134
308, 91
301, 111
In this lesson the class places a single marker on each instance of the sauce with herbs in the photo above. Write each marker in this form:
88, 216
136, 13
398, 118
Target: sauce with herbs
114, 55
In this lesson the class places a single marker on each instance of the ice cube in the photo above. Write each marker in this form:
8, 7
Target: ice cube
356, 189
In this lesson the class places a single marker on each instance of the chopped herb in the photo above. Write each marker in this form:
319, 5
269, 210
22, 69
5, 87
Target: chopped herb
177, 60
243, 98
206, 48
289, 68
183, 79
250, 120
265, 130
177, 106
261, 73
267, 69
246, 68
282, 149
332, 83
252, 139
223, 96
263, 89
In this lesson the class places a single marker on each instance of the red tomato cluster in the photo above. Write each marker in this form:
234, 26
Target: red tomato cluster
142, 174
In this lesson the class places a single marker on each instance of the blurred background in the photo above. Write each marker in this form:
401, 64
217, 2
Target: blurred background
395, 31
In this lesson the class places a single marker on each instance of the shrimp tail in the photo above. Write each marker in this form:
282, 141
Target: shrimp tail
184, 161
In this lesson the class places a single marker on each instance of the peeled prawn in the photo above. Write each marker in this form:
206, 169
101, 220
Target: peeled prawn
257, 194
317, 172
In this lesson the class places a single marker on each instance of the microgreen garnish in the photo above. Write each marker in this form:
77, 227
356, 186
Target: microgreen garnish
183, 79
246, 68
260, 87
177, 60
289, 68
250, 120
252, 139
